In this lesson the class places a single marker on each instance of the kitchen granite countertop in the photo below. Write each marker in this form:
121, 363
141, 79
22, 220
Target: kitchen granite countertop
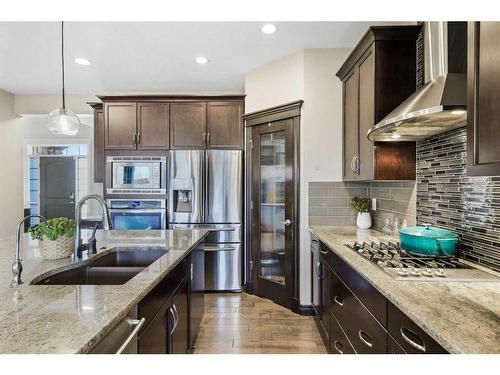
463, 317
72, 318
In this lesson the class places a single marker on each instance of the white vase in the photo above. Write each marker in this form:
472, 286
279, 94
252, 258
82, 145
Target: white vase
364, 220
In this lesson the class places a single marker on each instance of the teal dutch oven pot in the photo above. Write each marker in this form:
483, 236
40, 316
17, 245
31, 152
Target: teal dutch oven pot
428, 241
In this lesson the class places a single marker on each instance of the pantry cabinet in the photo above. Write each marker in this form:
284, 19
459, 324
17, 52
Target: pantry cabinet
377, 76
483, 90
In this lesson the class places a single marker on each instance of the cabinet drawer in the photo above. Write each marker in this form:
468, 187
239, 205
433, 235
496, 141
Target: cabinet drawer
364, 291
409, 335
339, 343
363, 330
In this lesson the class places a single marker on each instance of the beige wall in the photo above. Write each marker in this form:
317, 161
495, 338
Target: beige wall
321, 139
309, 75
279, 82
41, 104
11, 166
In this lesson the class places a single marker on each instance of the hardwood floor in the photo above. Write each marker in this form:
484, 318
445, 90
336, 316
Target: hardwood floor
241, 323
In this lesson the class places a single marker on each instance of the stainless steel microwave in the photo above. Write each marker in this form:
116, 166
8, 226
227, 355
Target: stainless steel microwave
136, 175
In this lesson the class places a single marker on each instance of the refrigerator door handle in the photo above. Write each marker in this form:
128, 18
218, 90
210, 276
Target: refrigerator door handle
219, 248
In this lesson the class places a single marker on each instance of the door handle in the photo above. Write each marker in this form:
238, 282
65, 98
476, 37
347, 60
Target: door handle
352, 165
287, 222
134, 138
138, 138
208, 137
410, 341
362, 333
324, 252
138, 324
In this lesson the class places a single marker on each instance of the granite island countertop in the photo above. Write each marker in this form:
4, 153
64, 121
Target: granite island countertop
463, 317
72, 318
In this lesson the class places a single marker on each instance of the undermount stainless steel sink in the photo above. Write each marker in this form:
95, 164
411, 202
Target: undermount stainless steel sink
129, 257
114, 268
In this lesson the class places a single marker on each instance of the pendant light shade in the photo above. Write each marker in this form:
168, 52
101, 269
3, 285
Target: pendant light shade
62, 121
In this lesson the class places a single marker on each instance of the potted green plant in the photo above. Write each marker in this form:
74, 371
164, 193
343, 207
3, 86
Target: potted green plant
362, 207
56, 238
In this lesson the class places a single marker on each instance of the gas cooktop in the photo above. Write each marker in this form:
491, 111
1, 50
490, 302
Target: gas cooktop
402, 266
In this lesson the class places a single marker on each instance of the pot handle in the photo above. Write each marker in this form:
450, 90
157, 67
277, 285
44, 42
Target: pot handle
438, 245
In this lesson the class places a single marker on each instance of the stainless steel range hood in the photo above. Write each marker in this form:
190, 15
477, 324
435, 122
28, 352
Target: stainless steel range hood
441, 103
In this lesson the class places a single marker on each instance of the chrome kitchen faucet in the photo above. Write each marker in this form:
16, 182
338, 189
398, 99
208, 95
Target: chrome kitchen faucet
17, 266
106, 221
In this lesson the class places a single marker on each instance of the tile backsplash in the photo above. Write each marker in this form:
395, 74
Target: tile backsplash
329, 202
448, 198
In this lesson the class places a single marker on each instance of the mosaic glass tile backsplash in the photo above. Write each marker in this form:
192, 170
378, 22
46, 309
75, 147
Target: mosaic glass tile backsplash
448, 198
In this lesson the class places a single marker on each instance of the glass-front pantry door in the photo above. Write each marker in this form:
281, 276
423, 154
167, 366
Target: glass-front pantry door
273, 195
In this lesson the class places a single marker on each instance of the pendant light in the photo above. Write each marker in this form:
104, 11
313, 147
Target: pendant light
62, 121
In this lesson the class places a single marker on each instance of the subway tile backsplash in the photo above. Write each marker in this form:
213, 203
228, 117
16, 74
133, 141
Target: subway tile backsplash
448, 198
329, 202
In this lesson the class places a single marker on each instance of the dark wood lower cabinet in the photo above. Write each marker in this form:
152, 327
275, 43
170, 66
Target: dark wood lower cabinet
354, 317
168, 310
177, 321
339, 343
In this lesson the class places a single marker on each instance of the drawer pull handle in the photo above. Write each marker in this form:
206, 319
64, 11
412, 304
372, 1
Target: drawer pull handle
138, 325
410, 341
338, 300
338, 347
324, 252
361, 333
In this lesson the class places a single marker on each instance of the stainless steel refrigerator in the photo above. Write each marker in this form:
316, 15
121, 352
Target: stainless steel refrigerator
205, 189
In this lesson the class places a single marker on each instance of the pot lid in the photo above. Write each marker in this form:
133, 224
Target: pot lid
428, 231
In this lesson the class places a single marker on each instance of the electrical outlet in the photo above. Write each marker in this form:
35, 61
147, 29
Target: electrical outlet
374, 204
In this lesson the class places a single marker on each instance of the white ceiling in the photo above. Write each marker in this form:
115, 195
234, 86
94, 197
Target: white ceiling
154, 56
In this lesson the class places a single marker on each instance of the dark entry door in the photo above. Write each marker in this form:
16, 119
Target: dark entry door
57, 186
273, 215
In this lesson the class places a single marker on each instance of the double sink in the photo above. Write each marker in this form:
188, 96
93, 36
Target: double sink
113, 268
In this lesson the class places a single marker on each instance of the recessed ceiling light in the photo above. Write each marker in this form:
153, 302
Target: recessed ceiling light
269, 28
395, 135
458, 112
201, 60
82, 61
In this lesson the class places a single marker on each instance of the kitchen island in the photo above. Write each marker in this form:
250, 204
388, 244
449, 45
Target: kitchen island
55, 319
462, 317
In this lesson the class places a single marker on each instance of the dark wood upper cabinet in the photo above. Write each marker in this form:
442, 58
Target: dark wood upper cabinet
188, 125
98, 141
483, 91
224, 125
377, 76
351, 133
120, 121
153, 126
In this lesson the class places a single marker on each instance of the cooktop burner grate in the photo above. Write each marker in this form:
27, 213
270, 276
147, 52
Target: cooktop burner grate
399, 264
